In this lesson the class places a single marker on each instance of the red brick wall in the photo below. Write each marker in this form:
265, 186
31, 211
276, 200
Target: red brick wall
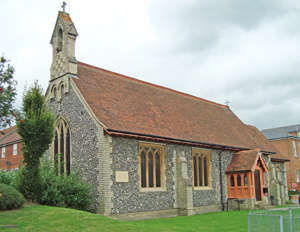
15, 160
286, 147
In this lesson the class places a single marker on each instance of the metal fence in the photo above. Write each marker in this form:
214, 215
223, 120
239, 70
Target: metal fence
279, 219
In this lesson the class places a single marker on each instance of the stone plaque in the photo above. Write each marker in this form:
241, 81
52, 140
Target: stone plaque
122, 176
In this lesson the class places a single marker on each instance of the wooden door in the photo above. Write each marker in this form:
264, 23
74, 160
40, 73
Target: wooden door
257, 185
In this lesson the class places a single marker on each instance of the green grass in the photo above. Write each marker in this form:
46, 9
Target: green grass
46, 218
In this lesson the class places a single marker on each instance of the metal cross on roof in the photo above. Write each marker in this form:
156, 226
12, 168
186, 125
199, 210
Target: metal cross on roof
227, 102
63, 6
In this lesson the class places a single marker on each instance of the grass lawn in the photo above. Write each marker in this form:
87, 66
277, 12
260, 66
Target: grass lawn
46, 218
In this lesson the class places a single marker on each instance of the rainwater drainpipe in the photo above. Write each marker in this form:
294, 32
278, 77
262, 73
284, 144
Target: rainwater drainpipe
221, 182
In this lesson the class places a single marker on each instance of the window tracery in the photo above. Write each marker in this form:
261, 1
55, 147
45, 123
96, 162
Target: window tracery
151, 166
62, 159
201, 168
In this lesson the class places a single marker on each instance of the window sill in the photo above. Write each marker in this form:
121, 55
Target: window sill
149, 190
202, 188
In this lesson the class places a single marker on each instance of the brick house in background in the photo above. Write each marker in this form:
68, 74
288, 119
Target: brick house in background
287, 140
10, 149
149, 151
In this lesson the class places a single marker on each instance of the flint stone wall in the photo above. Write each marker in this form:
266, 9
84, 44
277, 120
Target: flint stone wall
127, 197
84, 139
213, 195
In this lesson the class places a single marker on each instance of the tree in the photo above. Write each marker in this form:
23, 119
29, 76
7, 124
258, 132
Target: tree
35, 125
8, 93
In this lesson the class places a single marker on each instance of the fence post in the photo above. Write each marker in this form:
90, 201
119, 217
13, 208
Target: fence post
291, 220
249, 223
281, 224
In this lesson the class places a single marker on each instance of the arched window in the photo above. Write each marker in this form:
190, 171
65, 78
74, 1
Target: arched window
232, 181
239, 180
59, 39
246, 181
151, 165
201, 168
62, 147
62, 90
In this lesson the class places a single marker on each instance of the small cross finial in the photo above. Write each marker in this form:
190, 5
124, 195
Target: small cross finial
63, 6
227, 102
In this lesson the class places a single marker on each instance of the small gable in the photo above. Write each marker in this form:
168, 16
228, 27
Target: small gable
246, 161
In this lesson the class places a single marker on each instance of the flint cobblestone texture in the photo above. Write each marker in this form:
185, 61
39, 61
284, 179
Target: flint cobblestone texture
84, 148
127, 197
213, 196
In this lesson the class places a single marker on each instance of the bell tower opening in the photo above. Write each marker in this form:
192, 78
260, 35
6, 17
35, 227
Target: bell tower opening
59, 40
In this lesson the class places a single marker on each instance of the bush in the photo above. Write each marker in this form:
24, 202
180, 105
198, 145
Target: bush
289, 202
10, 198
11, 178
293, 192
68, 191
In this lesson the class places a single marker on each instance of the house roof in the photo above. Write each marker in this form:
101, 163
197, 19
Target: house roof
288, 129
282, 132
259, 139
245, 161
10, 136
125, 105
275, 134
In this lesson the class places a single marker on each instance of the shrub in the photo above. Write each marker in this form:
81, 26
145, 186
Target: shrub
10, 198
292, 192
77, 194
289, 202
63, 190
5, 177
11, 178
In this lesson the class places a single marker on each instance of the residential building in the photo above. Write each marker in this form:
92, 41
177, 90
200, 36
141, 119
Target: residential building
10, 149
287, 140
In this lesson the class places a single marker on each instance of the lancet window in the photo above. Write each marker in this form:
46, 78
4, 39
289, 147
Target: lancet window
62, 147
201, 161
151, 158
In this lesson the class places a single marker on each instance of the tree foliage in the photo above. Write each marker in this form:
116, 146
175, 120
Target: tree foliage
8, 93
36, 127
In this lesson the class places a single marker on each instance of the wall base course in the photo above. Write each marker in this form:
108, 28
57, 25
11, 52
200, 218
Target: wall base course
165, 213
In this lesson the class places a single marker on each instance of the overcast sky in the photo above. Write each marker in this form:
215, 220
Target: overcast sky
246, 52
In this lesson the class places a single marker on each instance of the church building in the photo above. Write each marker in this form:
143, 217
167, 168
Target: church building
149, 151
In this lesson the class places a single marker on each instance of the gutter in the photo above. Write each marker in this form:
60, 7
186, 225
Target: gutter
172, 140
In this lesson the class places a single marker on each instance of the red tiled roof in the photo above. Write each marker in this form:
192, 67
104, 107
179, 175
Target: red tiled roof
245, 161
125, 104
10, 136
7, 131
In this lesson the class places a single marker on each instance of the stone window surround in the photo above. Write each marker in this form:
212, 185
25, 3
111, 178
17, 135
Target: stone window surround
62, 123
162, 167
207, 153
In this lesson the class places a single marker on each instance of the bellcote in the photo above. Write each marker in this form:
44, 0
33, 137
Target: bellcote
63, 45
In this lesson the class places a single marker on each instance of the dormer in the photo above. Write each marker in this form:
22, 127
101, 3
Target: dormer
63, 47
